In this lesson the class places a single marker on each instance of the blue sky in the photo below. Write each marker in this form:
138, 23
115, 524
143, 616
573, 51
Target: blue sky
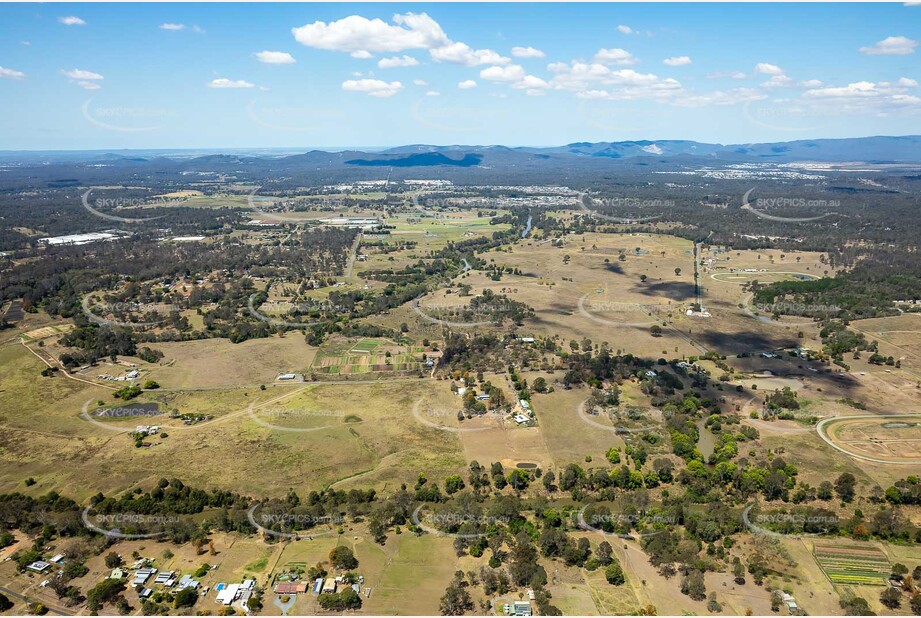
107, 76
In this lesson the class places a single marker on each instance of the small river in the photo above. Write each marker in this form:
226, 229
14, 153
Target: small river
527, 229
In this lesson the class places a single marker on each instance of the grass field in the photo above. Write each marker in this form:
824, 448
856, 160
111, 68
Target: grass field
217, 362
45, 438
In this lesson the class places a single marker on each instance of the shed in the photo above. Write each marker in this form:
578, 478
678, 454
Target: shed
39, 566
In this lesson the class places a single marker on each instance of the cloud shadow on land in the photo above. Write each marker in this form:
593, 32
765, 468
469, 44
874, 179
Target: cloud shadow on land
673, 290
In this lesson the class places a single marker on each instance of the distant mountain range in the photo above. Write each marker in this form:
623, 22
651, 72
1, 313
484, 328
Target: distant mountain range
585, 161
905, 149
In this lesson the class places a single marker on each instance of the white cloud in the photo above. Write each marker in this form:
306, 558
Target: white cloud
372, 87
811, 83
768, 69
196, 28
856, 89
357, 33
726, 75
71, 20
907, 82
531, 83
625, 29
626, 84
467, 84
461, 53
510, 73
11, 74
89, 85
420, 82
891, 46
614, 56
174, 27
881, 98
677, 61
778, 81
223, 82
515, 75
362, 37
432, 93
81, 74
592, 94
397, 61
275, 57
527, 52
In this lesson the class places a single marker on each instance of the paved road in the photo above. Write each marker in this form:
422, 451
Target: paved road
24, 599
352, 254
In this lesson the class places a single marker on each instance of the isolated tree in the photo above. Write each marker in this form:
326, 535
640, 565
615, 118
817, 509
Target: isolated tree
185, 598
844, 486
891, 597
456, 600
539, 385
342, 558
693, 585
454, 483
614, 574
605, 553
